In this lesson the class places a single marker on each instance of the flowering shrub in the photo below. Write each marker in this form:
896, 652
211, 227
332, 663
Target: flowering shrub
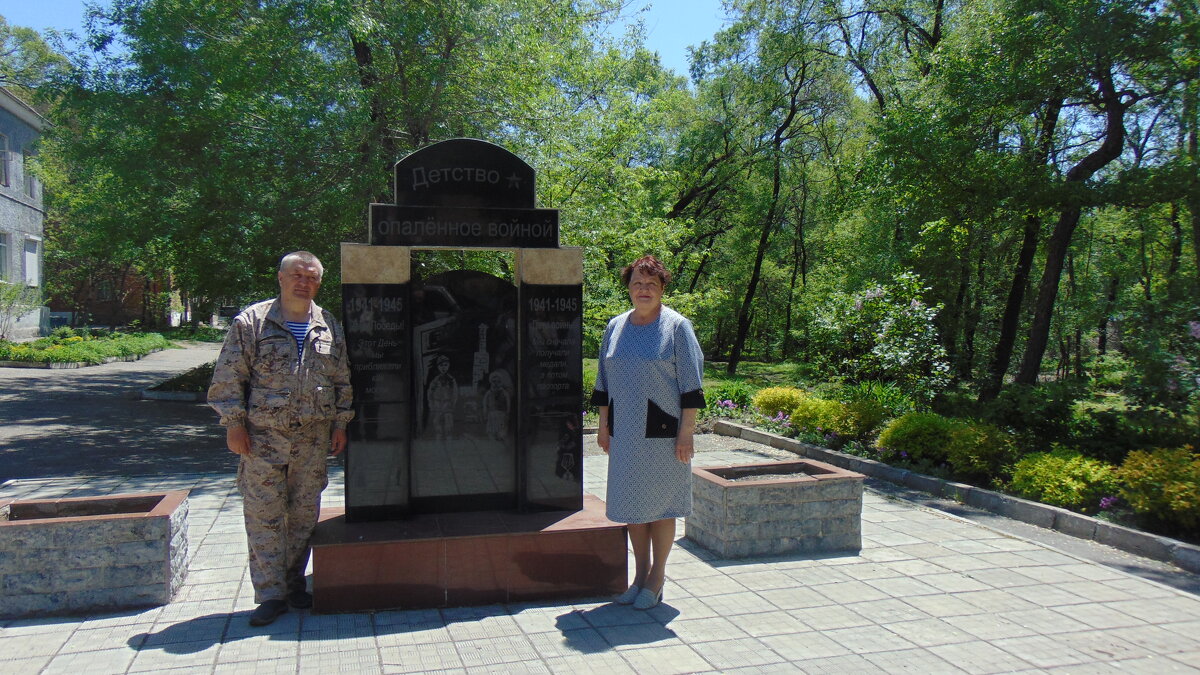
773, 401
921, 437
1165, 352
815, 415
780, 424
1066, 478
1164, 485
736, 391
979, 451
834, 421
886, 333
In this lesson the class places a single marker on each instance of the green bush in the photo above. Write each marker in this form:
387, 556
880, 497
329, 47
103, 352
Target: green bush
920, 437
886, 333
774, 400
887, 395
979, 451
816, 415
1112, 433
1064, 478
857, 419
82, 347
736, 391
1041, 413
1164, 486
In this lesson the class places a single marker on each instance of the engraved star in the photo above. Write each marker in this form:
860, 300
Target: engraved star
514, 181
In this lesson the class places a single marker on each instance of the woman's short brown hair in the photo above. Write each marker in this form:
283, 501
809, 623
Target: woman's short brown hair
649, 266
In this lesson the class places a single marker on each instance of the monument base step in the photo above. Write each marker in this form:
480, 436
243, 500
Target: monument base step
460, 559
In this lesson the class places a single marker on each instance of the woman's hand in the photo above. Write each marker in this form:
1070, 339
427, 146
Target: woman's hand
685, 449
602, 437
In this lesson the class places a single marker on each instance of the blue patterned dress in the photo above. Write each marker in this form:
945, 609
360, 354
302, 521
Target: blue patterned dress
647, 375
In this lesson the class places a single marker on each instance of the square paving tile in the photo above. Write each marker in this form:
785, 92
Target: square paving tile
737, 653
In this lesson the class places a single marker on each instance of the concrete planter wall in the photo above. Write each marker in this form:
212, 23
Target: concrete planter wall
767, 509
69, 556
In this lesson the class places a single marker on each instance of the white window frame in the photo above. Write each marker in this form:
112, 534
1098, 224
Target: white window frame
37, 256
5, 256
31, 181
4, 170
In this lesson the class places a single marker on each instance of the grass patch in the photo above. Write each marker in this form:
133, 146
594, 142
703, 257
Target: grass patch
67, 345
195, 380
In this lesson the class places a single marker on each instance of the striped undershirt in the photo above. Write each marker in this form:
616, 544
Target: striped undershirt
298, 329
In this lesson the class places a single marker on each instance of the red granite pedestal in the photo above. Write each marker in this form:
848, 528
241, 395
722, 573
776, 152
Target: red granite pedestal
457, 559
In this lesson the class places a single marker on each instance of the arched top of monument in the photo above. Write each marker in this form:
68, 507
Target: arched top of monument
464, 172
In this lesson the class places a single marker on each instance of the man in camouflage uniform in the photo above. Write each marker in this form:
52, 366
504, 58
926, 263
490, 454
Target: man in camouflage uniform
282, 388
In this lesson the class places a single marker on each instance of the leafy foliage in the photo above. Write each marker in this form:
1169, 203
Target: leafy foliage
980, 452
1064, 478
886, 333
68, 346
920, 437
771, 401
1164, 485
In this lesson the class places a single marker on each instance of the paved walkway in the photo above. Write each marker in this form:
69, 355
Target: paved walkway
929, 592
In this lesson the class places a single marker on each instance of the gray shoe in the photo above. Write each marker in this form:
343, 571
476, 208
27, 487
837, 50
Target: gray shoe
628, 596
647, 599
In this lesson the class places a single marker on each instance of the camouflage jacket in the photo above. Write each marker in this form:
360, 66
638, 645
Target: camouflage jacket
258, 379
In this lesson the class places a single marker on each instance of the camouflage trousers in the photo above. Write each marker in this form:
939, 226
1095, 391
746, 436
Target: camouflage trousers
280, 504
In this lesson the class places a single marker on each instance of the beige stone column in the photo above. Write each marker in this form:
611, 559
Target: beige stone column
550, 266
366, 264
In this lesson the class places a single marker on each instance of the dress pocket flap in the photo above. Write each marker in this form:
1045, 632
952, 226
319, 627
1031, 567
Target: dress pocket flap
660, 424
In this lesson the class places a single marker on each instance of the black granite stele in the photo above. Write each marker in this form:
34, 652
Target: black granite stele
468, 389
551, 470
378, 338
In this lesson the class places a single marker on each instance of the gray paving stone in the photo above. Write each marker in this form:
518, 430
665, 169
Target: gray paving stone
495, 650
736, 653
607, 663
980, 657
420, 658
671, 659
911, 661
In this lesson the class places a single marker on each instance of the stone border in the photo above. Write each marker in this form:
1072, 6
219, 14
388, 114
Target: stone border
1181, 554
67, 365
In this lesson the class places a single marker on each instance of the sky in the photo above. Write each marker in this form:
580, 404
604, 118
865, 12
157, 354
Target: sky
671, 25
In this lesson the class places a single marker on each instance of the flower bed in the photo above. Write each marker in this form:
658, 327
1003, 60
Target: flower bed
70, 348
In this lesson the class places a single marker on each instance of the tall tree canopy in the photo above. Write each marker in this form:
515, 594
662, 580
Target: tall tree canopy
1008, 187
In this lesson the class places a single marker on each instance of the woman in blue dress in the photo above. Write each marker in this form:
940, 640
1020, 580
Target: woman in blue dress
648, 390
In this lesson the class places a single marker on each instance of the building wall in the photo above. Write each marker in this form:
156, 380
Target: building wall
21, 214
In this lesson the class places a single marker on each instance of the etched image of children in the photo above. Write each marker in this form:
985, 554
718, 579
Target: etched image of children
497, 404
442, 395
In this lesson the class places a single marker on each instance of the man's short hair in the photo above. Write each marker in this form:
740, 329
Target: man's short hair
301, 257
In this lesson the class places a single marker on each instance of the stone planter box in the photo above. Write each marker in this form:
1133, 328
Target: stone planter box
779, 507
70, 556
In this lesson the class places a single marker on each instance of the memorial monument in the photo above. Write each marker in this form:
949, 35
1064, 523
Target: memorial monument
464, 472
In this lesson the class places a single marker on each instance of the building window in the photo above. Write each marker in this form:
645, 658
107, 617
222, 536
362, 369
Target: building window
3, 160
33, 267
4, 257
27, 170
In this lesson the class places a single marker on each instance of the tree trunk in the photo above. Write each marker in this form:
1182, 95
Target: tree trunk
1110, 302
1060, 239
1011, 321
743, 327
